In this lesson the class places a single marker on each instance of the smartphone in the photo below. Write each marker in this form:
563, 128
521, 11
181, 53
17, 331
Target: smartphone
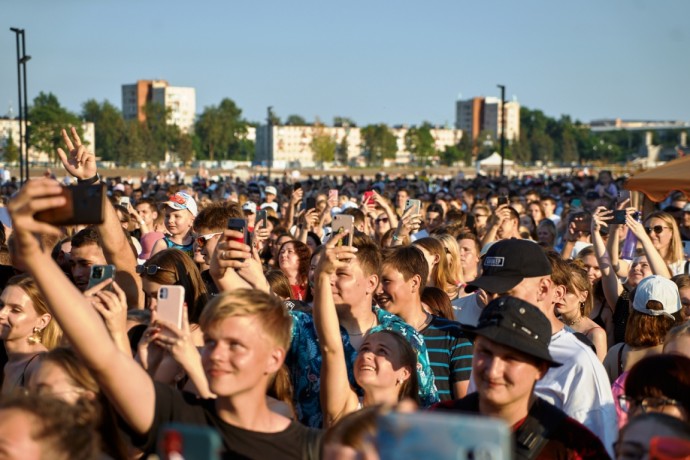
170, 304
262, 217
240, 225
435, 436
584, 224
333, 195
368, 197
309, 203
686, 248
343, 223
502, 199
124, 201
101, 273
619, 217
416, 206
576, 203
85, 206
191, 442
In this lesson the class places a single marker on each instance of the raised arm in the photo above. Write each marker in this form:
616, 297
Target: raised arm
81, 164
656, 262
609, 280
337, 397
125, 383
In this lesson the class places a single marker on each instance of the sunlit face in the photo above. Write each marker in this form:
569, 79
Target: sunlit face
209, 245
661, 241
639, 270
592, 266
288, 260
534, 211
431, 262
549, 207
351, 286
545, 236
238, 356
81, 260
18, 316
507, 228
178, 221
401, 197
382, 224
379, 363
394, 293
433, 220
16, 436
469, 258
504, 376
52, 380
571, 304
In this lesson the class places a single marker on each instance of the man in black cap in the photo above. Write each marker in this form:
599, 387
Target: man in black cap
520, 268
511, 355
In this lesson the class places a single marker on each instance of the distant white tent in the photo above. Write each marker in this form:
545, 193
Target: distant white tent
494, 160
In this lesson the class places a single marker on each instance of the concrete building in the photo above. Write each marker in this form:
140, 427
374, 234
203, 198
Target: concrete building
291, 145
9, 128
180, 100
484, 114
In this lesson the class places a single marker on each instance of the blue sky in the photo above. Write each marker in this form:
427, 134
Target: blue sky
373, 61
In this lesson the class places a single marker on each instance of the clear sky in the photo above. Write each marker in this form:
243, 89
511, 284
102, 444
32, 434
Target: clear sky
371, 60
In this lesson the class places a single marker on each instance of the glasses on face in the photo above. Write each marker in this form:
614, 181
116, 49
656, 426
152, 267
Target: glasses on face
201, 240
657, 229
649, 404
381, 219
481, 215
151, 269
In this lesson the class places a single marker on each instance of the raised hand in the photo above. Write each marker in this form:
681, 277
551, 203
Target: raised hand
79, 162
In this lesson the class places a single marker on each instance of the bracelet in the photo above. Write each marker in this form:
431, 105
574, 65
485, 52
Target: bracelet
395, 237
90, 180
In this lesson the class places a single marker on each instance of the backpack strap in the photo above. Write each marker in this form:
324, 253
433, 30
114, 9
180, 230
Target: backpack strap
534, 433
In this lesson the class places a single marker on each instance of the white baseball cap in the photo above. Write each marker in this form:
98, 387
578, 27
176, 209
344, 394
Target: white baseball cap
662, 290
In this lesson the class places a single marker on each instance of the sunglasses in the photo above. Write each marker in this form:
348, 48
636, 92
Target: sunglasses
382, 219
657, 229
480, 215
201, 240
151, 269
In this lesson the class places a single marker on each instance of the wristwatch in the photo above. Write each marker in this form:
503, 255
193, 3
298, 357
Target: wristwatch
90, 180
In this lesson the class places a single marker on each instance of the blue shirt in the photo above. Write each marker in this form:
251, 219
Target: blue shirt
304, 362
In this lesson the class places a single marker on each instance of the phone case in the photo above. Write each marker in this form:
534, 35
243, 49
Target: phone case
85, 206
170, 304
342, 223
416, 205
100, 273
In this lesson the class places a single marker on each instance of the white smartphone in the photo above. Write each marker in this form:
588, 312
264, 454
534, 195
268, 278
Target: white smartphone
170, 304
416, 206
343, 223
124, 201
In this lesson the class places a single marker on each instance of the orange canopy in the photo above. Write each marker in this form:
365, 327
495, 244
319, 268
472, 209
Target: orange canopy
657, 183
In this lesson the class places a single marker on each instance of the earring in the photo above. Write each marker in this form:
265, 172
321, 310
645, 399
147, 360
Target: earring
582, 308
399, 381
36, 336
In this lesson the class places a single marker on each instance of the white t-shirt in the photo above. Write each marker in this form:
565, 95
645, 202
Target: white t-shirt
467, 310
580, 387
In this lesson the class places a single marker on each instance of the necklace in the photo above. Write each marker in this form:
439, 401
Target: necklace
573, 322
364, 332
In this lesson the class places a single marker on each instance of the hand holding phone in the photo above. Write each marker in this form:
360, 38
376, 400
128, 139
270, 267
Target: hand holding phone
240, 225
100, 273
344, 223
85, 206
170, 304
415, 205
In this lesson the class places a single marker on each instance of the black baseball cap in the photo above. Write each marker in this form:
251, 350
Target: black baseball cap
507, 263
517, 324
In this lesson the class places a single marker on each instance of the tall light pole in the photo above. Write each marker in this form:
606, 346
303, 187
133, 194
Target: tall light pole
503, 125
22, 59
269, 142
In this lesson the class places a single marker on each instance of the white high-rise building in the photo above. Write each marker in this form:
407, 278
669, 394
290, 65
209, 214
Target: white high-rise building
484, 114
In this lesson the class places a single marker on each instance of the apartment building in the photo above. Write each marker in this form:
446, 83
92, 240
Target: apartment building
180, 100
484, 114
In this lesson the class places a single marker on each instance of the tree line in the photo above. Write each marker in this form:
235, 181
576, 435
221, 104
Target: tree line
220, 133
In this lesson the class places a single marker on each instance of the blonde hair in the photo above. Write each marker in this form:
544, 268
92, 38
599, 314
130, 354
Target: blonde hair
274, 317
579, 280
51, 334
675, 247
451, 244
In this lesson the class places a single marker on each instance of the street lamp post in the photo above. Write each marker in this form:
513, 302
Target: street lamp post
269, 143
503, 125
22, 59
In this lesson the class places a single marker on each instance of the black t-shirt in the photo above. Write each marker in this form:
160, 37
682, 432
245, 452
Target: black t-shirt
295, 442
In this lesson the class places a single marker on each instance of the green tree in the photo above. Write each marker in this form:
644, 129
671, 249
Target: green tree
341, 151
542, 147
158, 134
220, 130
569, 152
132, 146
344, 122
323, 146
184, 148
420, 143
451, 155
47, 118
485, 144
11, 153
378, 143
109, 125
296, 120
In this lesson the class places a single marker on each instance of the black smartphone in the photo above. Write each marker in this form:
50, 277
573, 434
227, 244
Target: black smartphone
100, 273
502, 199
240, 225
85, 206
619, 216
309, 203
261, 216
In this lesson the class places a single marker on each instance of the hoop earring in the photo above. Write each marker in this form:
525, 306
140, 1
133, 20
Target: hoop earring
36, 337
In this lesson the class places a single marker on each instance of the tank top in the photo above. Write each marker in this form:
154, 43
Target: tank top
186, 248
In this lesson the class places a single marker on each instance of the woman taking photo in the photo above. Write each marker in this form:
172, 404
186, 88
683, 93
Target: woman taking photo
26, 329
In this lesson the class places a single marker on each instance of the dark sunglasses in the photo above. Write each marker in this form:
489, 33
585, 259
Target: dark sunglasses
201, 240
151, 269
657, 229
381, 219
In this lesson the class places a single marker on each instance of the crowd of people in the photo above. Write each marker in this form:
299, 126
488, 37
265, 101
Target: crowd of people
552, 305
